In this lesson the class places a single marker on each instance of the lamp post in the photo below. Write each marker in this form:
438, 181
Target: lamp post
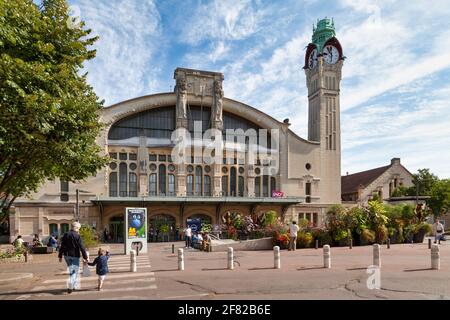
77, 207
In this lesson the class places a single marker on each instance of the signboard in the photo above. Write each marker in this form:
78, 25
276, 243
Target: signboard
277, 194
195, 224
136, 229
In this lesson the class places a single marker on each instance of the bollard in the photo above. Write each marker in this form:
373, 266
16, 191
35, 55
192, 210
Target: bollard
133, 266
435, 258
429, 243
276, 257
351, 243
173, 248
180, 259
376, 255
230, 258
326, 256
317, 244
26, 255
388, 243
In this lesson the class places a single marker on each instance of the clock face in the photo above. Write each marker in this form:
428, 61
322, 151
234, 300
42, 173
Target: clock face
330, 54
312, 61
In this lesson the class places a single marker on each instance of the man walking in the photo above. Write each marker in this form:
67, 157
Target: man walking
188, 236
293, 229
438, 231
71, 245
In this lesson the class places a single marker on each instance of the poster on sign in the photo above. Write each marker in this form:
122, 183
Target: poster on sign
277, 194
135, 230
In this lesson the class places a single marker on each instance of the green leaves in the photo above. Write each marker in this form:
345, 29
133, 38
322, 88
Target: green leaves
49, 114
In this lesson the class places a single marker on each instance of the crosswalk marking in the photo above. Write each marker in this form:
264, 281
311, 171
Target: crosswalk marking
151, 287
107, 284
109, 276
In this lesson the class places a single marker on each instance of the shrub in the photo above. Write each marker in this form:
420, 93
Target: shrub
88, 236
368, 236
268, 219
304, 239
381, 234
423, 226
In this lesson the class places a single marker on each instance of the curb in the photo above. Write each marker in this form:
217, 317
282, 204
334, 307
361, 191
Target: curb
15, 277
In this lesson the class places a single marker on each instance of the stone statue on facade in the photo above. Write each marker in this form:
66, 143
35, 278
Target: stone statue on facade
218, 104
181, 98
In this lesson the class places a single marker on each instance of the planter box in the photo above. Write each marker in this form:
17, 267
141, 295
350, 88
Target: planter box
419, 236
42, 250
16, 259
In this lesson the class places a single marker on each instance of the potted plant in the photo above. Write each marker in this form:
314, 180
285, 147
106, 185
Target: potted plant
420, 231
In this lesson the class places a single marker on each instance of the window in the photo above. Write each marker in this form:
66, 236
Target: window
113, 184
308, 199
162, 179
233, 181
258, 187
123, 156
123, 179
190, 184
207, 185
133, 185
133, 156
241, 186
53, 229
162, 157
225, 185
64, 186
64, 228
152, 157
152, 184
113, 155
198, 180
171, 184
308, 188
273, 185
265, 186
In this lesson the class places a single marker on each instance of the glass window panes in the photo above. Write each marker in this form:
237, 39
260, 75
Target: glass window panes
113, 155
190, 184
308, 189
64, 228
133, 166
123, 179
133, 185
162, 157
53, 229
64, 186
162, 179
198, 180
207, 185
152, 157
113, 166
258, 186
233, 181
265, 186
241, 186
123, 156
225, 185
171, 184
152, 184
133, 156
169, 158
113, 184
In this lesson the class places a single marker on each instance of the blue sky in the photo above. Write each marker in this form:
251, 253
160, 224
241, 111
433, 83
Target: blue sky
396, 78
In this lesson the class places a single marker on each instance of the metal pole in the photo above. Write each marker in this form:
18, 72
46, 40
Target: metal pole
26, 255
326, 256
173, 248
351, 243
317, 244
276, 257
429, 243
230, 258
180, 259
77, 205
388, 243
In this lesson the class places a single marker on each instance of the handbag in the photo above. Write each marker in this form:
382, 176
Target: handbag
86, 271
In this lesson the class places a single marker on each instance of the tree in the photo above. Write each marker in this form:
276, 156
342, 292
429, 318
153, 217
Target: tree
439, 201
49, 116
423, 182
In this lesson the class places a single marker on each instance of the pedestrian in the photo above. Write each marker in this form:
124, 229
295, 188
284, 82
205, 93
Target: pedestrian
101, 263
18, 242
71, 245
438, 231
105, 235
187, 236
293, 229
52, 242
36, 241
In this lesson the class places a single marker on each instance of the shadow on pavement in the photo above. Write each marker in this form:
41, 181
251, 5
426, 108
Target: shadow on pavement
214, 269
266, 268
311, 268
353, 269
413, 270
162, 270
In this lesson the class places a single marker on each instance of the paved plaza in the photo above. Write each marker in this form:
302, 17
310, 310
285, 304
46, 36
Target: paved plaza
405, 274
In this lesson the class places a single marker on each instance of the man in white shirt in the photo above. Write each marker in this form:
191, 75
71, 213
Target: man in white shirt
293, 229
188, 236
438, 231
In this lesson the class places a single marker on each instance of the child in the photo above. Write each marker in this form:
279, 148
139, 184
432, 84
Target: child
102, 266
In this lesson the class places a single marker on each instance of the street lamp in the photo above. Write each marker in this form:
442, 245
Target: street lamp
77, 208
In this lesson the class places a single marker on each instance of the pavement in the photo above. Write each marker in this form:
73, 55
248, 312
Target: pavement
405, 273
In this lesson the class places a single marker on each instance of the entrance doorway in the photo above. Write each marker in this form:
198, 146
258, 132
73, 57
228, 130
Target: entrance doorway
162, 228
116, 229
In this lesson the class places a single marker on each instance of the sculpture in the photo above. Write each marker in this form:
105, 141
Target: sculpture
181, 98
218, 93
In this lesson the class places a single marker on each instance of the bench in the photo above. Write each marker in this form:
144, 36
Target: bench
42, 250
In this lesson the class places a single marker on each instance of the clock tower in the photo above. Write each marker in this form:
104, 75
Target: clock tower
323, 64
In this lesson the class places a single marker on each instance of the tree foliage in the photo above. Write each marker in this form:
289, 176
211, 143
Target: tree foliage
49, 117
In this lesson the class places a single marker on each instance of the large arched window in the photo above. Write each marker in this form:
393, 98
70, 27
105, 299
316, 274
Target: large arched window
225, 185
171, 184
133, 185
152, 184
123, 179
265, 186
273, 185
190, 184
207, 185
113, 184
198, 180
258, 187
162, 179
233, 181
241, 186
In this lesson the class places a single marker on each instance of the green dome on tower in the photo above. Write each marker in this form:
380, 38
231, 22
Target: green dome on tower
323, 32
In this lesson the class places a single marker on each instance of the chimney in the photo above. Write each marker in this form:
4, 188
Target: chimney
395, 161
347, 172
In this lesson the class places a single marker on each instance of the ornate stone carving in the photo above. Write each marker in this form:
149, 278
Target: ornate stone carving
181, 98
218, 101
